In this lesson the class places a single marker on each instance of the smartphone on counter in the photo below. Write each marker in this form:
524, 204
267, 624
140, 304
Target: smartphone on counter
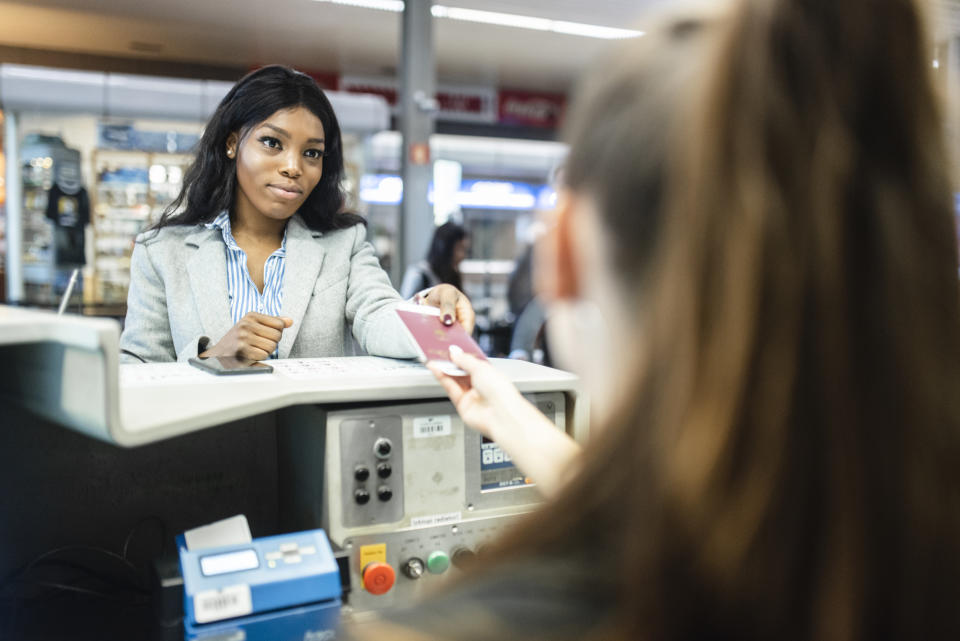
230, 365
433, 338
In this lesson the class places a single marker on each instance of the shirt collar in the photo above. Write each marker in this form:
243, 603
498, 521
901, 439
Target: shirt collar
222, 222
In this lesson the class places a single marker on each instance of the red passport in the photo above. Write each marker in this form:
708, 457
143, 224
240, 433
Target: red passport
434, 339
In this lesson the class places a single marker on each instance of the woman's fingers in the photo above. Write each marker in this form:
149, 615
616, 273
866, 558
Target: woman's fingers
467, 362
267, 332
447, 302
450, 385
454, 306
253, 353
276, 322
447, 298
465, 314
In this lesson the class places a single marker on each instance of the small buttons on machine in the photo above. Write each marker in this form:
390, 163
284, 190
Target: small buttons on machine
361, 473
382, 447
361, 496
378, 577
384, 493
384, 470
413, 568
438, 562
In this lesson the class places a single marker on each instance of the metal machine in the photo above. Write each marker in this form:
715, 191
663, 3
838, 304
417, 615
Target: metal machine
405, 488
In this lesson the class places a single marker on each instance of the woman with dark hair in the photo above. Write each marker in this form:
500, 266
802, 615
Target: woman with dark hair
263, 260
449, 246
755, 249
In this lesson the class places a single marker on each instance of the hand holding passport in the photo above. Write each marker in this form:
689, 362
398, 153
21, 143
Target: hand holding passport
433, 338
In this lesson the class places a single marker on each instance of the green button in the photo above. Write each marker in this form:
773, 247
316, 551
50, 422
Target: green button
438, 562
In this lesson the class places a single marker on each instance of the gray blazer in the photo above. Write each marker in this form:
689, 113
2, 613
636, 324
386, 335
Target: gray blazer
178, 299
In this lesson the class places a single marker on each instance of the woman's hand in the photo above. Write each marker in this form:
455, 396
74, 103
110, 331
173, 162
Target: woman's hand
453, 304
485, 399
492, 405
254, 338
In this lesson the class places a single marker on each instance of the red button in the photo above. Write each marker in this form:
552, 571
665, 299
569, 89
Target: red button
378, 577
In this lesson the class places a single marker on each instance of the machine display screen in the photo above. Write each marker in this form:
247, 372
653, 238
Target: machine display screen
497, 471
227, 562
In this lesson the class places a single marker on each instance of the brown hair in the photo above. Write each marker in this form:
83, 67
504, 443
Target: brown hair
788, 464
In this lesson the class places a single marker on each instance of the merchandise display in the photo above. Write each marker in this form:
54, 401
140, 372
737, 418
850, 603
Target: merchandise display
68, 209
51, 239
132, 190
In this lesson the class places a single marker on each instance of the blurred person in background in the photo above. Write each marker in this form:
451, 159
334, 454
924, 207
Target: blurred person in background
755, 263
448, 247
264, 261
528, 338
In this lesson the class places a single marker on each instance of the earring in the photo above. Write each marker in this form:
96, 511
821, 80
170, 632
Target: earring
229, 153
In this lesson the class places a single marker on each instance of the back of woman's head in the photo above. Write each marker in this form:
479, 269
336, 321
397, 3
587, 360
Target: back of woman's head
440, 254
210, 184
786, 465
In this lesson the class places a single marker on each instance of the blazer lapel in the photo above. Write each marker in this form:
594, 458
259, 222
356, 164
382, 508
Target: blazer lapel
302, 267
208, 280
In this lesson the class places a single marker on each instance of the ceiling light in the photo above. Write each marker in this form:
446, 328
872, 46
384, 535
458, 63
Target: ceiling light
501, 19
491, 17
592, 30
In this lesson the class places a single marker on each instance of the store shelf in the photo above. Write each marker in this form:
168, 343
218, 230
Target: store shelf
133, 188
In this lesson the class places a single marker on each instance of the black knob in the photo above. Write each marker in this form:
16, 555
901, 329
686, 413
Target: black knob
361, 496
382, 447
361, 473
413, 568
384, 470
384, 493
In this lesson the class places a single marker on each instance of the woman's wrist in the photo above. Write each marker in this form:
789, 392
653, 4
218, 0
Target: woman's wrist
520, 419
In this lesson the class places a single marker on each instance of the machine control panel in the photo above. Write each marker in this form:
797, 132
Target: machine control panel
410, 492
416, 494
372, 463
417, 559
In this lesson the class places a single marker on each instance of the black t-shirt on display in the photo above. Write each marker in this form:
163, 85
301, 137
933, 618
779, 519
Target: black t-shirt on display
70, 214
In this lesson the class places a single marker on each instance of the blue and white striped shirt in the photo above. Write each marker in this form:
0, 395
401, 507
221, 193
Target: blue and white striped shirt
244, 296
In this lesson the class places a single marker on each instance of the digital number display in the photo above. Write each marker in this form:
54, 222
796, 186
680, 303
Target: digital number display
227, 562
497, 471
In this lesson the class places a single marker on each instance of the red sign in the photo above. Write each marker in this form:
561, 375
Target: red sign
469, 103
464, 103
326, 80
531, 109
389, 93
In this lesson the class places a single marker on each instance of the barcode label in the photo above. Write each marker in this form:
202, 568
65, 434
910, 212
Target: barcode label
217, 605
427, 426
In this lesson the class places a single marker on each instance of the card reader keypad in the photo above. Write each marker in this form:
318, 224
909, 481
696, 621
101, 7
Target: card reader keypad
288, 553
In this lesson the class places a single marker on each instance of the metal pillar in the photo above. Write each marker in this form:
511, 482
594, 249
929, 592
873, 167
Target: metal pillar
417, 112
14, 208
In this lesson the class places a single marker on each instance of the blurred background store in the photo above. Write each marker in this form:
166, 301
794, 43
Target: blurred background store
102, 102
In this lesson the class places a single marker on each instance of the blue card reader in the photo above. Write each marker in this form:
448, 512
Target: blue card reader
278, 587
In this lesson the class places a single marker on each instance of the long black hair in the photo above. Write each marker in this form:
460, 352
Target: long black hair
210, 184
440, 255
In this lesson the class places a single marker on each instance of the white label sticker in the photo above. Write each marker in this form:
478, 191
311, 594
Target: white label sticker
217, 605
436, 519
426, 426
